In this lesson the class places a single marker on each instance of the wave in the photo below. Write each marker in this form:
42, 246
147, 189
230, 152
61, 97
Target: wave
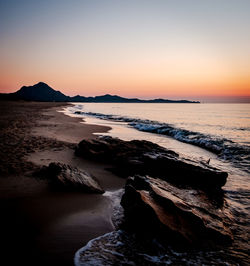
123, 248
224, 148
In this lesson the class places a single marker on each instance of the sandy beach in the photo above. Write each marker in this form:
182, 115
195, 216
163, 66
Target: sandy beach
45, 220
41, 225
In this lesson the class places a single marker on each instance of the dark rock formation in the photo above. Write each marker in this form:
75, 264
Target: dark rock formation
106, 149
154, 207
145, 158
68, 177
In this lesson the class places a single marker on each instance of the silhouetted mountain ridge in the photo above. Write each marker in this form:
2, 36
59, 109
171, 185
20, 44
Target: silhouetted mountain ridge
41, 92
44, 93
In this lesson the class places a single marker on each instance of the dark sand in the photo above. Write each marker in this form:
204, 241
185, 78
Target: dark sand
39, 225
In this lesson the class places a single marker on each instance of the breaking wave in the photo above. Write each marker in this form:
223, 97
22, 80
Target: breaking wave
226, 149
122, 248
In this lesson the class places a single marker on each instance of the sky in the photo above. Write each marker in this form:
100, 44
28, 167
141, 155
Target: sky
176, 49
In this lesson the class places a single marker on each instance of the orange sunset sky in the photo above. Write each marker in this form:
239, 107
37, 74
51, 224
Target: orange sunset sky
170, 49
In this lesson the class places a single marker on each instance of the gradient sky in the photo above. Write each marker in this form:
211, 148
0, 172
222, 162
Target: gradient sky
193, 49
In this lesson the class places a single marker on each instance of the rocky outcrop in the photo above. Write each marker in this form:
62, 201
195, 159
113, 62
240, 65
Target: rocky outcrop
182, 216
68, 177
145, 158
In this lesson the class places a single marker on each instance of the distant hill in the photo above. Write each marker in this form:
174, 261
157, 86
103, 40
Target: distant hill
41, 92
44, 93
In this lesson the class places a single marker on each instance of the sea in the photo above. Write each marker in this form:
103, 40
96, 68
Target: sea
218, 133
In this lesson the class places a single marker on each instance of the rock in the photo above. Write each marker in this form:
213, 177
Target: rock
105, 148
182, 216
181, 171
146, 158
69, 177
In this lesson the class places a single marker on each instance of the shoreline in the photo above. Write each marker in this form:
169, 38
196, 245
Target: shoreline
40, 223
59, 126
44, 225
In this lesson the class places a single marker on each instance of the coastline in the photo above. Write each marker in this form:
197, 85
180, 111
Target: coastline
44, 225
39, 223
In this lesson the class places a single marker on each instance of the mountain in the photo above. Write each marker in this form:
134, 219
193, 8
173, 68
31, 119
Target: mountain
44, 93
105, 99
41, 92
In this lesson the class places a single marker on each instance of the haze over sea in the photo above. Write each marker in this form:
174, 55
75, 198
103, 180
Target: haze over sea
218, 134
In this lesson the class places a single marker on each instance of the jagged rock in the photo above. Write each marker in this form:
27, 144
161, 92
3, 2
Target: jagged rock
183, 216
71, 178
146, 158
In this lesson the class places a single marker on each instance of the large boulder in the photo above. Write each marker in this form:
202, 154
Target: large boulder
107, 149
146, 158
153, 207
68, 177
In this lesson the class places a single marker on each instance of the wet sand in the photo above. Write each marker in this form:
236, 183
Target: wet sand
40, 225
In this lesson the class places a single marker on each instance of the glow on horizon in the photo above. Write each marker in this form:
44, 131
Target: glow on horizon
147, 49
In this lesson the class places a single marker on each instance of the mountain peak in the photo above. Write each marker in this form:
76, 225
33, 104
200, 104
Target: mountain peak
41, 92
41, 84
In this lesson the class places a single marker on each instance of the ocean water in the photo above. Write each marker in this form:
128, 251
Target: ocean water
219, 132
